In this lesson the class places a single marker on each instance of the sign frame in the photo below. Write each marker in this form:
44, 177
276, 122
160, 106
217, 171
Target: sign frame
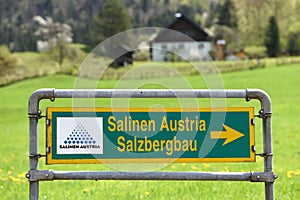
35, 175
52, 158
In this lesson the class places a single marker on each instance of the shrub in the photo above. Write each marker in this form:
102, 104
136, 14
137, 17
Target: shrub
293, 46
141, 55
256, 51
7, 60
172, 57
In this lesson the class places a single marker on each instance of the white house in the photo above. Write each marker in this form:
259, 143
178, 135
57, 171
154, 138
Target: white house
181, 40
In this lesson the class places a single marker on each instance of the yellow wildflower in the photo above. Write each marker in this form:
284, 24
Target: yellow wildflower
297, 172
3, 179
21, 175
9, 172
289, 173
85, 190
147, 193
206, 165
194, 167
14, 179
225, 169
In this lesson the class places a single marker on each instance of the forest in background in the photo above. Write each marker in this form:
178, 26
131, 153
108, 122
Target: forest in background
241, 23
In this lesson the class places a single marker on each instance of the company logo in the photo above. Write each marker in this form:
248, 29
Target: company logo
80, 135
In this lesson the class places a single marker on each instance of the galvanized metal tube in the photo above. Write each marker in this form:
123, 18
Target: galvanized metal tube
266, 112
149, 93
268, 160
188, 176
33, 113
33, 103
262, 96
33, 162
128, 93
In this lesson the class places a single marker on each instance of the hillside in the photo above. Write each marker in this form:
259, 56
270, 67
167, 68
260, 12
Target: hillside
241, 24
81, 15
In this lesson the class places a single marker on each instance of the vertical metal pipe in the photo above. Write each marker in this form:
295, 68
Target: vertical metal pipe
266, 112
33, 161
33, 113
268, 163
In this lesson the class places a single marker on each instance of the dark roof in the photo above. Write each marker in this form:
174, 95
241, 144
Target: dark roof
183, 25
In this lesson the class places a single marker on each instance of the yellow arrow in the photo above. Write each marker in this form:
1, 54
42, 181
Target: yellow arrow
230, 134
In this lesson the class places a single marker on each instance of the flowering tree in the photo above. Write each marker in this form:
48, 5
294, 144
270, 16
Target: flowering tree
53, 35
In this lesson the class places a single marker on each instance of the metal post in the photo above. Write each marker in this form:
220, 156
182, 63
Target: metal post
269, 186
34, 185
266, 113
34, 115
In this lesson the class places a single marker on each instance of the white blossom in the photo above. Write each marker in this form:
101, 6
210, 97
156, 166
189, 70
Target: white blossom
52, 34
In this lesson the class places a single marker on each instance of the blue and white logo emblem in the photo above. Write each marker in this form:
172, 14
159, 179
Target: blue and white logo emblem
79, 135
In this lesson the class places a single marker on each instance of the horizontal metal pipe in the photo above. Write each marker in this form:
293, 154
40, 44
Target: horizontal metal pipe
50, 93
188, 176
150, 93
134, 93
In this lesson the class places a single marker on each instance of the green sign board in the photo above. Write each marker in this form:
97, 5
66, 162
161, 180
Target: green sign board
104, 135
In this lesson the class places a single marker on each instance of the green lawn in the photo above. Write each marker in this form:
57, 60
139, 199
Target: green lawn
280, 82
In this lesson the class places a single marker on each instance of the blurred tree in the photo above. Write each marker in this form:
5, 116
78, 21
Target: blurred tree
228, 34
272, 38
252, 21
293, 47
227, 16
212, 14
53, 35
112, 20
145, 5
162, 20
226, 26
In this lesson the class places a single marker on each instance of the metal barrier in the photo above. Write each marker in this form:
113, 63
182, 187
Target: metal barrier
34, 175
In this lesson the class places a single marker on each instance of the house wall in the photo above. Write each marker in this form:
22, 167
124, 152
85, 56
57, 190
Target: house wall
192, 51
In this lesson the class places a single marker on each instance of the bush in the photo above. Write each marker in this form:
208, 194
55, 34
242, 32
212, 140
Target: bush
7, 60
172, 57
256, 51
141, 55
293, 46
72, 56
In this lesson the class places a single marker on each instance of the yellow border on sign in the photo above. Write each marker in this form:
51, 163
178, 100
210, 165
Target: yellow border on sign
50, 160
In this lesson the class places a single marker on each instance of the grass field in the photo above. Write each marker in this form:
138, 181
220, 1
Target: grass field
280, 82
